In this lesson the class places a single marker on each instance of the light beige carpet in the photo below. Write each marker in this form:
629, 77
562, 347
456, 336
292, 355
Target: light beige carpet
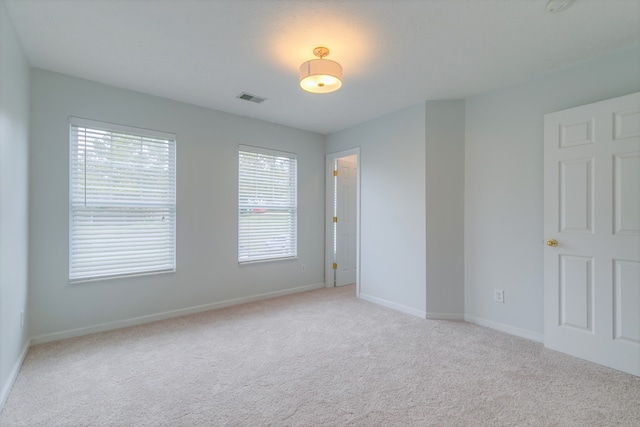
318, 358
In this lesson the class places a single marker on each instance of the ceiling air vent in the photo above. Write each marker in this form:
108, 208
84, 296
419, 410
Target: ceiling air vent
248, 97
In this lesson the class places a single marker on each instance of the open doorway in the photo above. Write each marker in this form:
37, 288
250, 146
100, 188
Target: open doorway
343, 219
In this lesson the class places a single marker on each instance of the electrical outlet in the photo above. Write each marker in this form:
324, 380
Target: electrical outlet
22, 318
303, 268
498, 295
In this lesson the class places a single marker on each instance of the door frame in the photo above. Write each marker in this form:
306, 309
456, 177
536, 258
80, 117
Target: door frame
329, 191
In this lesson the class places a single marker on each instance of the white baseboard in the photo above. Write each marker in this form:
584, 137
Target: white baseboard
392, 305
445, 316
523, 333
6, 388
71, 333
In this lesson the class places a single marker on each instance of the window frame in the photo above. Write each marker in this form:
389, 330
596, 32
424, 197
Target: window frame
292, 237
135, 132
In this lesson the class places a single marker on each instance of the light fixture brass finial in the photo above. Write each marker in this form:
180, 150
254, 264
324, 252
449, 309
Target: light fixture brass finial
321, 52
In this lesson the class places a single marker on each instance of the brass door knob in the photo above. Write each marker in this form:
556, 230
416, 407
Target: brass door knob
552, 243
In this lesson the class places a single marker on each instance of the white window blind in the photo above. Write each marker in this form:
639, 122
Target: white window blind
122, 200
267, 204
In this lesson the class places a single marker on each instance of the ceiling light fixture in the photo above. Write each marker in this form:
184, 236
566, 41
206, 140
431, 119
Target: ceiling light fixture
320, 75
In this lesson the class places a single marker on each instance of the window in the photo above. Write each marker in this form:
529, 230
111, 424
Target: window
267, 204
122, 200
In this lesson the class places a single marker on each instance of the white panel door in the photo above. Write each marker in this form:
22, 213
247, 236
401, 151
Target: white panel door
592, 232
346, 226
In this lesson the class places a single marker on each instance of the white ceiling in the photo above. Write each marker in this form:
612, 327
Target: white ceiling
394, 53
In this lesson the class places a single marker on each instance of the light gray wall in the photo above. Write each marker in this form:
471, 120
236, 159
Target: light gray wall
504, 239
392, 202
445, 208
207, 268
14, 188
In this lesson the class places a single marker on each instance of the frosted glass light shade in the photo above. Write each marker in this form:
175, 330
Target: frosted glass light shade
320, 76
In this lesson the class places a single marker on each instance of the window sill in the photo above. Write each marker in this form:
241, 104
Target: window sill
262, 261
116, 277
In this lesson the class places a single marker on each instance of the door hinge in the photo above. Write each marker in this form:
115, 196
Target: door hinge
335, 173
335, 266
335, 219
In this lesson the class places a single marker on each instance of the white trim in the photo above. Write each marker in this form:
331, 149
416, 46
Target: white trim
81, 271
267, 151
445, 316
394, 306
13, 375
522, 333
115, 127
266, 189
71, 333
328, 276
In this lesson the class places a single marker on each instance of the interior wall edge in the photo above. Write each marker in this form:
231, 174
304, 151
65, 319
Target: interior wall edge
444, 316
522, 333
6, 388
109, 326
394, 306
